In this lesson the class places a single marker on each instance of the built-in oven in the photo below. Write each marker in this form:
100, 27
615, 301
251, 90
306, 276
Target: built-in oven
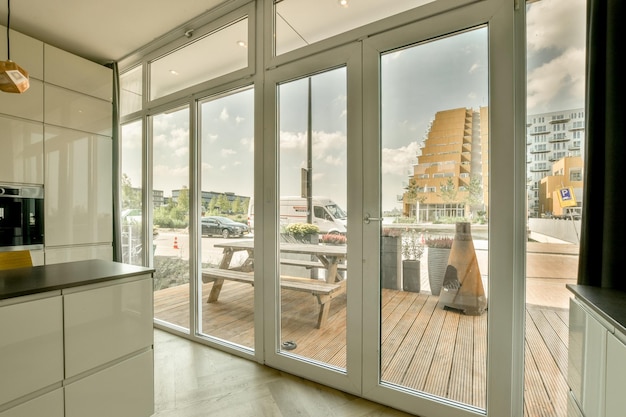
21, 217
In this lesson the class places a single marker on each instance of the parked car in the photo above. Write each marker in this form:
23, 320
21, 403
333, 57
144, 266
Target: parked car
218, 225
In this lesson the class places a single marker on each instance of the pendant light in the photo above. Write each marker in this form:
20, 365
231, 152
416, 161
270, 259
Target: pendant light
13, 78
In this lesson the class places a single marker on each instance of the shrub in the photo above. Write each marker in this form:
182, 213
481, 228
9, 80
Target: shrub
301, 229
392, 232
412, 247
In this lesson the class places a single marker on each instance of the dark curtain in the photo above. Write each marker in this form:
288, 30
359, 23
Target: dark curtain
117, 229
603, 232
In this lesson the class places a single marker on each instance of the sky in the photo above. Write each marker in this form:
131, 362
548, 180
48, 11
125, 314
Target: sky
416, 82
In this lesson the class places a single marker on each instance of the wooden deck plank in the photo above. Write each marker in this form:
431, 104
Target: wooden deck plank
445, 351
407, 363
461, 383
551, 339
536, 400
550, 374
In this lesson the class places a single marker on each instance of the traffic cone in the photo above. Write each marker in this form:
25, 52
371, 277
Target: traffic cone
176, 243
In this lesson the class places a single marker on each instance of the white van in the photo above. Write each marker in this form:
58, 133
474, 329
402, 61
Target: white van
327, 215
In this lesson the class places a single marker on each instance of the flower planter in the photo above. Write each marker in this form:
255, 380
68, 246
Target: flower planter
411, 275
437, 264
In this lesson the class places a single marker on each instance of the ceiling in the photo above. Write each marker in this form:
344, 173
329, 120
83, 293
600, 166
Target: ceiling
101, 31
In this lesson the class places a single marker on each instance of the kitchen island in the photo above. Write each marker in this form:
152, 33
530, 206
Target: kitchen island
77, 340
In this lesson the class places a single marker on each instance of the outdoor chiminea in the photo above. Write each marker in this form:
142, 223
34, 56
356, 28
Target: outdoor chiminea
462, 284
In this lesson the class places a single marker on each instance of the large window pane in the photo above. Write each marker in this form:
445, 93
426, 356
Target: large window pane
312, 217
434, 248
227, 135
170, 245
301, 22
214, 55
131, 95
555, 142
131, 186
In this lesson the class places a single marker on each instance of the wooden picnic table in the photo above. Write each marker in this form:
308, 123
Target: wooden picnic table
330, 256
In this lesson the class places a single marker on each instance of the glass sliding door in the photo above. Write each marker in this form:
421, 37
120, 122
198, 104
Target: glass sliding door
434, 247
131, 193
555, 139
227, 181
312, 218
170, 215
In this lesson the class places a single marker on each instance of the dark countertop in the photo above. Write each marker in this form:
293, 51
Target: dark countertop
24, 281
609, 304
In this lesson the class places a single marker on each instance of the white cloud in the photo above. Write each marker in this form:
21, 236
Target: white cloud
474, 67
227, 152
561, 79
556, 24
239, 119
247, 143
212, 137
224, 114
400, 160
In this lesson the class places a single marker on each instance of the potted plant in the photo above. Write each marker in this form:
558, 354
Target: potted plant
302, 233
333, 239
412, 250
438, 253
391, 258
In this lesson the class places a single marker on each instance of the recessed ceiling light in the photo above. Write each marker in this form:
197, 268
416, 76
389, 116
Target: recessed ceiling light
343, 3
173, 72
242, 44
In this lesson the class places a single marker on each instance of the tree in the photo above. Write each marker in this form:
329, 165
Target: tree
475, 192
448, 191
131, 197
414, 193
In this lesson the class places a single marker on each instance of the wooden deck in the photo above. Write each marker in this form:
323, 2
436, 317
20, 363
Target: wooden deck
424, 347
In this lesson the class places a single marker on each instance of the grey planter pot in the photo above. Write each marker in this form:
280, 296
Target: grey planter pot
391, 262
437, 264
411, 280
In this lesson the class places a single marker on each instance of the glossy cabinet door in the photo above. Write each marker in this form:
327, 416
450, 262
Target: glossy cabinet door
78, 111
615, 377
21, 159
122, 390
47, 405
78, 189
27, 106
78, 253
594, 368
31, 346
78, 74
27, 52
106, 323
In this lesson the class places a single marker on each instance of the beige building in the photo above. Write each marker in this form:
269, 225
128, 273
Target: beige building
566, 172
450, 177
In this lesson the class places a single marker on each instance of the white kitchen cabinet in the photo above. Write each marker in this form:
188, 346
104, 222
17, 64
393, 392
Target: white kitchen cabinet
78, 189
615, 378
55, 255
78, 111
78, 74
121, 390
27, 52
106, 323
28, 105
21, 159
596, 360
47, 405
594, 367
31, 345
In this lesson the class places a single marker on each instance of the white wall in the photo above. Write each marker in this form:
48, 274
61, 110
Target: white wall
58, 133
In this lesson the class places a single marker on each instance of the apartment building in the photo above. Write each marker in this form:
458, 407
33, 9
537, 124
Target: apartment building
551, 137
449, 177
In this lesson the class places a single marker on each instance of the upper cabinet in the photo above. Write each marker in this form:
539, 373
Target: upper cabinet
78, 74
69, 109
25, 52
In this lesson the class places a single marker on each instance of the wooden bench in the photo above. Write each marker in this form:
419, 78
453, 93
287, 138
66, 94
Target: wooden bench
310, 264
323, 291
